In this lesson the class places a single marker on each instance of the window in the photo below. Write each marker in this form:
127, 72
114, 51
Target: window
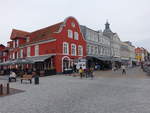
28, 51
36, 50
13, 56
88, 49
21, 53
17, 42
92, 49
17, 55
8, 44
73, 49
70, 35
73, 24
96, 50
76, 35
65, 48
80, 50
14, 44
27, 39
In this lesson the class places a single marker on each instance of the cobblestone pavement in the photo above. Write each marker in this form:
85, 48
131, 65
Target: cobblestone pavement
131, 73
67, 94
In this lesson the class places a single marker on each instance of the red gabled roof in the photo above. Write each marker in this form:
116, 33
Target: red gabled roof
44, 33
18, 34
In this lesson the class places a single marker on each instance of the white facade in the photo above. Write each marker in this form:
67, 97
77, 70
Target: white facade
98, 45
115, 45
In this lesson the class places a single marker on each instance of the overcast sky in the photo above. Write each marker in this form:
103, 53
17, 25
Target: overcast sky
129, 18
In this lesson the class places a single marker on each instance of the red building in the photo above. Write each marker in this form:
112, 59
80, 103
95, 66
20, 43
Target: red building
54, 47
2, 47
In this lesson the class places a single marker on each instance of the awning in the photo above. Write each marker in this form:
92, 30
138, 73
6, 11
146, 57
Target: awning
39, 58
116, 59
9, 62
22, 61
100, 58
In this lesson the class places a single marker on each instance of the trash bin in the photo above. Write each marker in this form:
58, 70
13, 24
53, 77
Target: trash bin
36, 79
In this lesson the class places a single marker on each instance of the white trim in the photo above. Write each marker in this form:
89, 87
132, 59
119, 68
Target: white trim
70, 33
75, 49
42, 42
63, 63
80, 46
76, 26
76, 35
67, 48
28, 51
36, 50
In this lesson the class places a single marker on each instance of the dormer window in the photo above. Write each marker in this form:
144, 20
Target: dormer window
8, 44
73, 24
70, 35
76, 35
27, 39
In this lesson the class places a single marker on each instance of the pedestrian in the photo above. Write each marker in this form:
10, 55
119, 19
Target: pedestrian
86, 72
91, 72
12, 76
123, 69
81, 72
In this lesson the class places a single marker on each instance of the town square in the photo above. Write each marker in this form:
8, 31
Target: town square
74, 56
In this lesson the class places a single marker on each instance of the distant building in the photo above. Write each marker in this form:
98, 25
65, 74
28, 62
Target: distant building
98, 48
115, 44
132, 58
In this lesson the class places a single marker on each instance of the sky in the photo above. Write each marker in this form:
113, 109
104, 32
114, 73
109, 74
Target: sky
128, 18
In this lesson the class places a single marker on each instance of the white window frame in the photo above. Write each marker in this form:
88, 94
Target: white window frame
28, 51
76, 35
17, 42
28, 39
65, 46
70, 33
21, 53
88, 49
14, 44
73, 46
80, 48
13, 56
96, 50
36, 50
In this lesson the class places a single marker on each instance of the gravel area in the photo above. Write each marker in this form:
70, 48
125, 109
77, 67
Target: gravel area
66, 94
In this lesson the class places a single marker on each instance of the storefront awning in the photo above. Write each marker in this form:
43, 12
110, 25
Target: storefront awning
39, 58
9, 62
100, 58
22, 61
116, 59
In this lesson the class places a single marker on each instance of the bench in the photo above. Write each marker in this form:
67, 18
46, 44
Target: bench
27, 77
12, 78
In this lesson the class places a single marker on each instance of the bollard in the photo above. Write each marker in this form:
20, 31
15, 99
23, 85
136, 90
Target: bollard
8, 88
1, 89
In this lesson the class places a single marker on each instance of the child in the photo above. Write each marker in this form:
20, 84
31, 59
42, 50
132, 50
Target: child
81, 72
